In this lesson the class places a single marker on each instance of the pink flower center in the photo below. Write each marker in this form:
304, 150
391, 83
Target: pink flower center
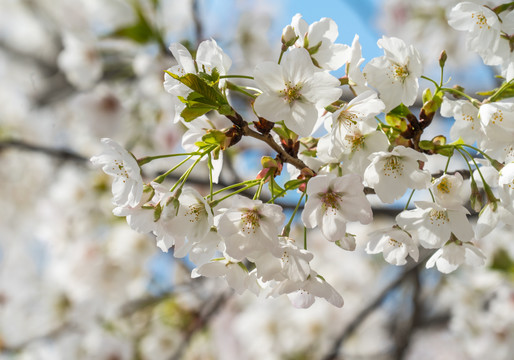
330, 201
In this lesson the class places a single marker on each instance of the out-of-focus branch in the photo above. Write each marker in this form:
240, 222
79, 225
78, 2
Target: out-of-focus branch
209, 309
366, 311
404, 335
62, 154
197, 21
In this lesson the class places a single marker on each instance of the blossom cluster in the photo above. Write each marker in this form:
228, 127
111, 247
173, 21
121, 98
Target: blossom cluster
338, 149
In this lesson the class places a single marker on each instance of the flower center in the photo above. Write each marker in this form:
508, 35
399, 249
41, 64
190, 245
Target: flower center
394, 243
330, 201
249, 221
393, 167
347, 119
480, 19
291, 93
195, 212
399, 72
444, 186
497, 116
439, 217
120, 171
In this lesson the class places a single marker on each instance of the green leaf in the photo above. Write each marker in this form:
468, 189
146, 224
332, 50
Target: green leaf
426, 145
276, 189
294, 184
191, 113
400, 111
197, 84
140, 32
502, 261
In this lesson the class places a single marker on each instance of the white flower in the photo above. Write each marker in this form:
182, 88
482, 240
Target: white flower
80, 61
506, 183
208, 57
391, 173
395, 244
491, 215
483, 29
249, 227
467, 124
395, 75
293, 263
192, 222
451, 256
294, 91
356, 79
359, 114
197, 129
127, 187
321, 34
498, 121
302, 294
432, 225
236, 276
449, 190
332, 201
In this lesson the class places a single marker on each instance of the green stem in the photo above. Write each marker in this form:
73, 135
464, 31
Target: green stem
491, 160
182, 180
210, 176
280, 57
410, 197
432, 195
287, 228
487, 188
232, 86
497, 94
216, 202
475, 102
254, 182
304, 227
447, 163
258, 192
159, 179
236, 76
432, 81
147, 159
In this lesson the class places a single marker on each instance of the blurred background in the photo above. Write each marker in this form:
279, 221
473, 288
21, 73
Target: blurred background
77, 283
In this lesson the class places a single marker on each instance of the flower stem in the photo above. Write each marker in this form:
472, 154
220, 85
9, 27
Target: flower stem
216, 202
232, 86
410, 197
258, 192
236, 76
161, 178
287, 228
147, 159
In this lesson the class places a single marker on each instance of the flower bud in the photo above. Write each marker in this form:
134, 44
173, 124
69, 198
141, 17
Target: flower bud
442, 58
288, 36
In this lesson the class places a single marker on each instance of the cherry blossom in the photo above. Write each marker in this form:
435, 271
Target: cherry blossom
249, 227
391, 173
452, 255
432, 225
319, 39
127, 187
395, 244
294, 91
333, 201
395, 75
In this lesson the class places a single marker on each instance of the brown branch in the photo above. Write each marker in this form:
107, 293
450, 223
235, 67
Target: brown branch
366, 311
268, 139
